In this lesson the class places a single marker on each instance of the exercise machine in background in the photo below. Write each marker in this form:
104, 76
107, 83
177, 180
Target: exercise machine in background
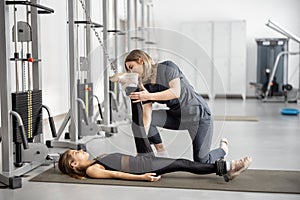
267, 51
290, 94
21, 110
272, 67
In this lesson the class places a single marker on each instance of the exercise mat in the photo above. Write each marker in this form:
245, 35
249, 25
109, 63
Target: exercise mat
235, 118
270, 181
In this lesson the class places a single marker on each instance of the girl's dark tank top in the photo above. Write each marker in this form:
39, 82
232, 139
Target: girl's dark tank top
110, 161
135, 164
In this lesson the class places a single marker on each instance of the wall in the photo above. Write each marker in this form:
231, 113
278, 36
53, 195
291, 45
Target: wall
169, 14
54, 54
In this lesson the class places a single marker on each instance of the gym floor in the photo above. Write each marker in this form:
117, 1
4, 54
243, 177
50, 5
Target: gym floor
272, 141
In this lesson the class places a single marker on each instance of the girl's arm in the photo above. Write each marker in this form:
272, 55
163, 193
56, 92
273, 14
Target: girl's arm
172, 93
97, 171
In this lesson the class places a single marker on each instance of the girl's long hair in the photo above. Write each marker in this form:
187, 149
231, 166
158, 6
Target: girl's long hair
150, 66
64, 165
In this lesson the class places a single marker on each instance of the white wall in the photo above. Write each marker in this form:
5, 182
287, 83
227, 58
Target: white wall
169, 14
54, 54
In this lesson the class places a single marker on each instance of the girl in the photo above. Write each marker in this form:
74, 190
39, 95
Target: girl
145, 166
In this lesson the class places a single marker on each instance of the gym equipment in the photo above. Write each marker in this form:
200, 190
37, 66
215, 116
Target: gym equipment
82, 120
81, 129
287, 88
290, 94
289, 111
273, 85
267, 51
112, 94
21, 111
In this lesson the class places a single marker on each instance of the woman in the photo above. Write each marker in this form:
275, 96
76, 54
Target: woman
145, 166
187, 110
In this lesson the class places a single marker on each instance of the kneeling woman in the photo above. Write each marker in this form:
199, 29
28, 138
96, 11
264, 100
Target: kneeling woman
144, 166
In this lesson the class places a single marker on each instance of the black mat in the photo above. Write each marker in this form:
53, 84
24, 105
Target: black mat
271, 181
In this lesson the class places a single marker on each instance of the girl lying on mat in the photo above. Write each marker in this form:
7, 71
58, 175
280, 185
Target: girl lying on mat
77, 164
144, 166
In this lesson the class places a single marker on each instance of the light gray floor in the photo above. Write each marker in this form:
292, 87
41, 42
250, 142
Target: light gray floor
273, 142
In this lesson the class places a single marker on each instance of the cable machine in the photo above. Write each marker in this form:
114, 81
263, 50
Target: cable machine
21, 111
287, 88
272, 73
82, 125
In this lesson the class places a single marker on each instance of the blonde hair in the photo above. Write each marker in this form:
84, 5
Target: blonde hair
149, 68
64, 165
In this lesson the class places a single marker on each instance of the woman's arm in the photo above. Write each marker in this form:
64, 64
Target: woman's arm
172, 93
97, 171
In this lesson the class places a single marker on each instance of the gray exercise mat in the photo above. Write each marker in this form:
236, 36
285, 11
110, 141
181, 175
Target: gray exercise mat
271, 181
235, 118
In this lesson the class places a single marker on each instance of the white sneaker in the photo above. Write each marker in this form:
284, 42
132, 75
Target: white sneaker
237, 167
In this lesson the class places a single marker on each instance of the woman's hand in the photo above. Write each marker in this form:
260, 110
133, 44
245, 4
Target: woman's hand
151, 177
142, 95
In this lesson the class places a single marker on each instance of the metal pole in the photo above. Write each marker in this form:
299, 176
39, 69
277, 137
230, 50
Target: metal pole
129, 20
36, 50
106, 116
73, 63
284, 32
283, 53
148, 24
28, 50
142, 22
116, 19
285, 64
136, 23
16, 48
88, 38
5, 91
36, 53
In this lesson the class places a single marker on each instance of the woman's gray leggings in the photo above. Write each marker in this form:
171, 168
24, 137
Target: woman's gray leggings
200, 132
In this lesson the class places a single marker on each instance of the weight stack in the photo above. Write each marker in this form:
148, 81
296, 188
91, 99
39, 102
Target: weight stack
267, 52
29, 106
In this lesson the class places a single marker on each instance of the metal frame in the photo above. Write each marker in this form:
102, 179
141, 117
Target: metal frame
10, 174
81, 135
6, 105
281, 54
291, 36
129, 19
106, 66
72, 116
